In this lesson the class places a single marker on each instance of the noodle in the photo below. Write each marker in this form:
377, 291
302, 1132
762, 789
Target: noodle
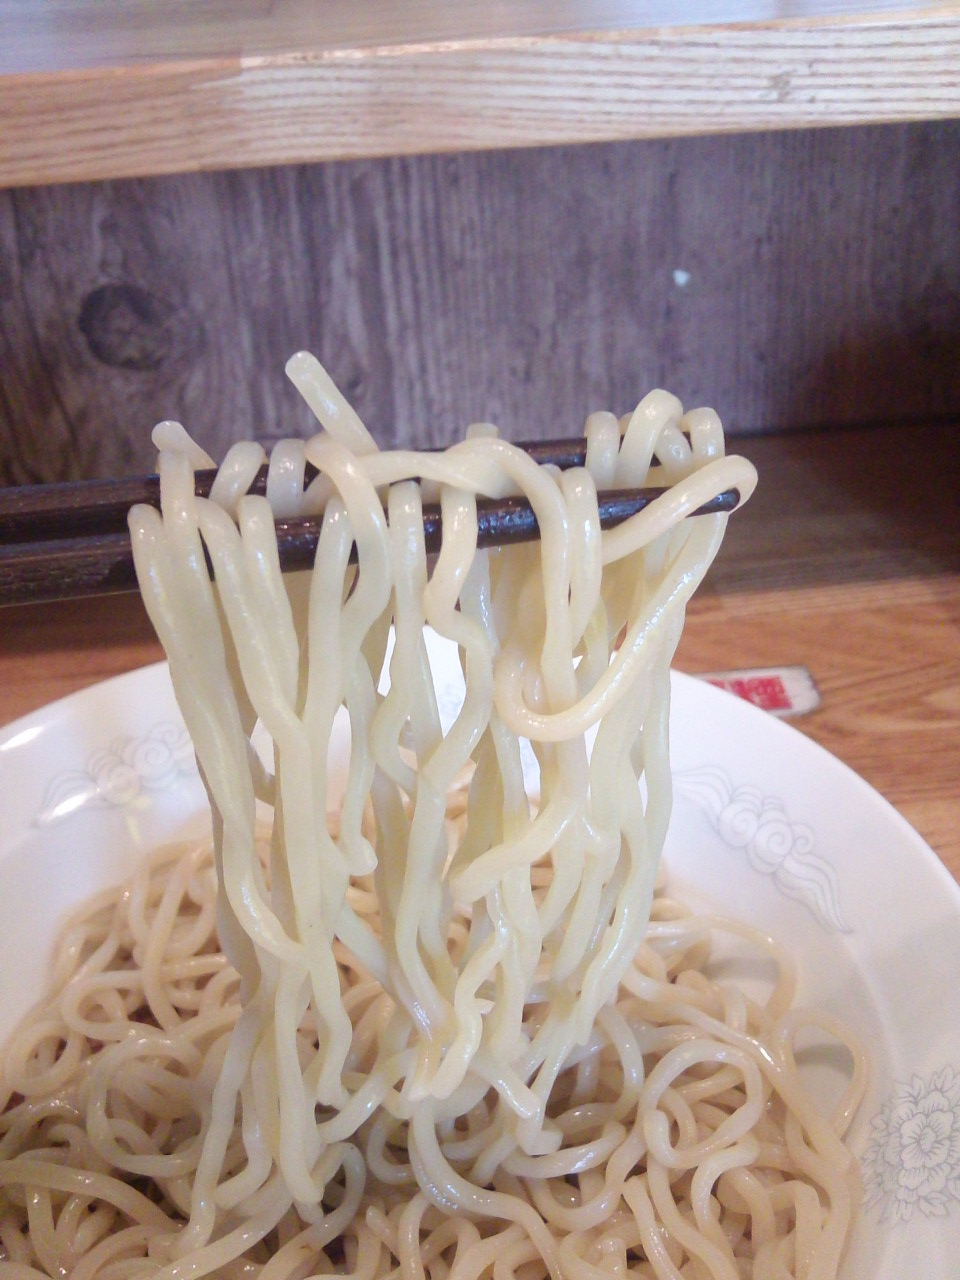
417, 1037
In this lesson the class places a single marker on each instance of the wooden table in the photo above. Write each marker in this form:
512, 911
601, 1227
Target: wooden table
837, 564
886, 659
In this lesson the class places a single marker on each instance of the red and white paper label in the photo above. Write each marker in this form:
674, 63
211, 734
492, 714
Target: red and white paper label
783, 691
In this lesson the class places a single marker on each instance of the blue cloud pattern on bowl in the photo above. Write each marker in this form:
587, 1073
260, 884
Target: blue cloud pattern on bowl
747, 819
119, 774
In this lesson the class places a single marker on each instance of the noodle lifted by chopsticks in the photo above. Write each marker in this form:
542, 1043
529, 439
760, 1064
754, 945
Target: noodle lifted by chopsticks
431, 1044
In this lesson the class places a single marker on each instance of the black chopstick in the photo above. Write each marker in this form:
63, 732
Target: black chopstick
101, 563
33, 513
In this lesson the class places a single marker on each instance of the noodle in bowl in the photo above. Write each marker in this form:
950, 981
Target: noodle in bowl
419, 1035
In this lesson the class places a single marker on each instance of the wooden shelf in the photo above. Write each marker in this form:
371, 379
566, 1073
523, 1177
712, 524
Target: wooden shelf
94, 89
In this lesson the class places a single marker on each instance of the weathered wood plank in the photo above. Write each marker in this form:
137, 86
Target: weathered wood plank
92, 90
74, 35
789, 279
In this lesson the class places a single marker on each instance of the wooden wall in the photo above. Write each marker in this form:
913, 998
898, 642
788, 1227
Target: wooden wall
791, 280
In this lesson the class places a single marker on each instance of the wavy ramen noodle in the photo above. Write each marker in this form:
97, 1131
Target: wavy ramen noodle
443, 1031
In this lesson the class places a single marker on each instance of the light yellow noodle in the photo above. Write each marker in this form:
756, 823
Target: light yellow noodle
445, 1032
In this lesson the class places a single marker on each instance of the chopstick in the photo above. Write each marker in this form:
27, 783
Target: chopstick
64, 541
39, 512
34, 513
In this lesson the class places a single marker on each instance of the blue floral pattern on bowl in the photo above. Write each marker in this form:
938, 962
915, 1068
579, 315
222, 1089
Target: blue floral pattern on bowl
912, 1160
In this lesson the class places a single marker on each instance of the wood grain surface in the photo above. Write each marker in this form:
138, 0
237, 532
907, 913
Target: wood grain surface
797, 582
845, 509
75, 35
886, 660
306, 82
788, 279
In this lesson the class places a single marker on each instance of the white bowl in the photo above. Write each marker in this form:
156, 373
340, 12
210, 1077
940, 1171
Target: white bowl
767, 828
